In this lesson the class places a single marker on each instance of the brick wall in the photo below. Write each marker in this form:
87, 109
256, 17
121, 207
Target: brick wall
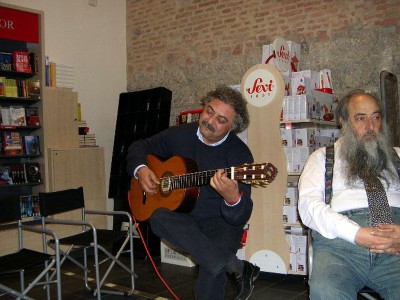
190, 46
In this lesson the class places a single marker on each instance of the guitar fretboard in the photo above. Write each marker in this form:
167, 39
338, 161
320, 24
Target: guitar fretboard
189, 180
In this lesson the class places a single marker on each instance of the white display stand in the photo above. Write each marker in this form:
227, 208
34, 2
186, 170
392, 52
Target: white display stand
266, 246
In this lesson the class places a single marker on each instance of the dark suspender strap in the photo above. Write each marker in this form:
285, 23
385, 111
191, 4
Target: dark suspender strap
397, 163
329, 163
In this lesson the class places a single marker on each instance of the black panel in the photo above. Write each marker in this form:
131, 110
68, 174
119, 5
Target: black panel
141, 114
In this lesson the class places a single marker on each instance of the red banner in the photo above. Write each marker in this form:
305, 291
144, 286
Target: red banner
19, 25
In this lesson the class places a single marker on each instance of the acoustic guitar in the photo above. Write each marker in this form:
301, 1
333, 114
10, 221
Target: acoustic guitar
180, 184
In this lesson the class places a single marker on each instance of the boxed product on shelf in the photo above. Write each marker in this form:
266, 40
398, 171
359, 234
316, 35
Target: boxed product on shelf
289, 158
12, 143
297, 243
17, 116
299, 158
29, 206
304, 106
33, 88
325, 78
5, 175
324, 106
5, 61
298, 252
21, 61
295, 55
291, 196
32, 116
304, 82
170, 256
287, 136
289, 108
31, 144
305, 137
290, 214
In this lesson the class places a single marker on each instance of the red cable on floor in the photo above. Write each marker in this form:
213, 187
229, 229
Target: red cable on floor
148, 252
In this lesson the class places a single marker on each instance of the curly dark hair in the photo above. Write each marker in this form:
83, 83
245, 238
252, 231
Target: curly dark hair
342, 109
233, 98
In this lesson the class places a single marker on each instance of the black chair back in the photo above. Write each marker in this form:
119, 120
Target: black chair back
62, 201
10, 209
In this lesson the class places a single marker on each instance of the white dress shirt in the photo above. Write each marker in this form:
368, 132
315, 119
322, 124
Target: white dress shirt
327, 219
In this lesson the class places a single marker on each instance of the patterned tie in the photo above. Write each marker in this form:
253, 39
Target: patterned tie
377, 202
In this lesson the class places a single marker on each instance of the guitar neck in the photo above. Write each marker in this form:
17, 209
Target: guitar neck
189, 180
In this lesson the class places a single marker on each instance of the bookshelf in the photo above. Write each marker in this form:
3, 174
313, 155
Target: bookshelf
62, 163
21, 82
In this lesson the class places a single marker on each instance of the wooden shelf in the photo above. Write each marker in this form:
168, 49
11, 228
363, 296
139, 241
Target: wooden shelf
18, 128
313, 121
4, 101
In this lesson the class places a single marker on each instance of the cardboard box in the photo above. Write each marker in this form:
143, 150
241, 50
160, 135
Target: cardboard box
304, 82
289, 158
288, 137
290, 214
305, 137
295, 56
297, 243
324, 106
325, 79
170, 256
300, 156
304, 106
291, 196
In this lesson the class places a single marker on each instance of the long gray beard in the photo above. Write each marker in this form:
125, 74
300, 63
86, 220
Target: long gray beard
367, 158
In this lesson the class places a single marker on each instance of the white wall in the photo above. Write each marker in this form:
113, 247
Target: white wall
93, 40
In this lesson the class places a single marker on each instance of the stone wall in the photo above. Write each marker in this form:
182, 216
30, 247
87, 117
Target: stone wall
190, 46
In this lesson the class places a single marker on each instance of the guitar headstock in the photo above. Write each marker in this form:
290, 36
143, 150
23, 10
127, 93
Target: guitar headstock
260, 174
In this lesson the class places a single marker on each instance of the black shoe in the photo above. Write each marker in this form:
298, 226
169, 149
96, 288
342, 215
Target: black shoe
244, 282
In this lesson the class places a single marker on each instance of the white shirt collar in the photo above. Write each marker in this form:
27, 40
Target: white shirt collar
200, 136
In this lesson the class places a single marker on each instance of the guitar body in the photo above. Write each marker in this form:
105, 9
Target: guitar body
183, 200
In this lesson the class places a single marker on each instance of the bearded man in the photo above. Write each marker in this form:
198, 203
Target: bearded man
352, 246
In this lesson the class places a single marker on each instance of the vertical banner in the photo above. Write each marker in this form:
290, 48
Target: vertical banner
263, 88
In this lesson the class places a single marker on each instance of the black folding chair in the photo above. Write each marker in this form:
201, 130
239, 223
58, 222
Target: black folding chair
24, 259
89, 237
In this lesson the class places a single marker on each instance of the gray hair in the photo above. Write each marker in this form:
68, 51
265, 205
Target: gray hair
342, 109
233, 98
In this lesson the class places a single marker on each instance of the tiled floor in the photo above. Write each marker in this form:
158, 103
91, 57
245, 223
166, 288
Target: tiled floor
180, 279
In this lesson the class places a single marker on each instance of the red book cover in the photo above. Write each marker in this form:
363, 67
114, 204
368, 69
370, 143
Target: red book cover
21, 62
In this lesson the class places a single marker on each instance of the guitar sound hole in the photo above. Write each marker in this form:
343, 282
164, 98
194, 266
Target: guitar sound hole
166, 184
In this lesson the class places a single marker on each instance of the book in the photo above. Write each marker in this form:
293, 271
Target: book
10, 87
5, 175
32, 145
47, 70
32, 116
18, 174
32, 172
23, 201
12, 144
52, 73
2, 86
29, 206
5, 116
33, 60
21, 61
5, 61
17, 116
33, 87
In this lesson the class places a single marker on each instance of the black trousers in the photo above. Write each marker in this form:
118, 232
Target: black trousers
212, 243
